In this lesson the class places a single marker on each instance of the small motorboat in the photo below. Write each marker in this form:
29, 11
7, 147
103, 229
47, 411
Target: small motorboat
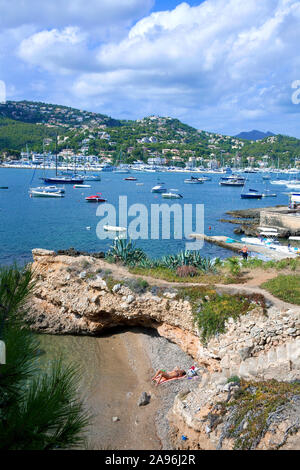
193, 180
204, 178
111, 228
3, 187
159, 188
279, 182
172, 196
268, 193
92, 178
81, 186
232, 180
251, 194
130, 178
95, 198
40, 192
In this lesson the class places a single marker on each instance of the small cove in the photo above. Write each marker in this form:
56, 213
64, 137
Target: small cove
116, 369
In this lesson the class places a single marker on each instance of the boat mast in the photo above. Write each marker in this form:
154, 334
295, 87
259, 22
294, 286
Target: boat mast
56, 154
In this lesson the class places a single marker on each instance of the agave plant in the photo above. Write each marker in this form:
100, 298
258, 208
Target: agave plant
188, 258
126, 252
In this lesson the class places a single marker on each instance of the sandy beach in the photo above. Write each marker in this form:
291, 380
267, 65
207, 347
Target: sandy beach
135, 356
116, 369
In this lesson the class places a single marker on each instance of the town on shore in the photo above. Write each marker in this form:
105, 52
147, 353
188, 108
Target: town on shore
34, 135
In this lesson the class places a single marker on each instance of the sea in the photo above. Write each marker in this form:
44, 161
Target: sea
61, 223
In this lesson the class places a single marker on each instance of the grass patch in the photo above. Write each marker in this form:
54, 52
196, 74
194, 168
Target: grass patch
169, 275
287, 263
285, 287
251, 408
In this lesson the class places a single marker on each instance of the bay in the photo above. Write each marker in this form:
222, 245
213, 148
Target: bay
28, 223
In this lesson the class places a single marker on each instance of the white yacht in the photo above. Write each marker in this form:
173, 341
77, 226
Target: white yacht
159, 188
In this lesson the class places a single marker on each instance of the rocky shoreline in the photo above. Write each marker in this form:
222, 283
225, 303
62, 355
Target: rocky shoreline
248, 221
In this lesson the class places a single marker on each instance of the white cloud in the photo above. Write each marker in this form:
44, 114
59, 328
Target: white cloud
61, 13
56, 51
215, 58
222, 63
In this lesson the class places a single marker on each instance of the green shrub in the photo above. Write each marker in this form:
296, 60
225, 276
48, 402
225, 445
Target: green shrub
233, 264
212, 315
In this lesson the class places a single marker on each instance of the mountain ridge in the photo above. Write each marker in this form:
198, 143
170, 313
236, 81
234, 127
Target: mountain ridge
254, 135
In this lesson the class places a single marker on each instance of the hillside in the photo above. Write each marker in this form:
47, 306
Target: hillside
36, 124
44, 113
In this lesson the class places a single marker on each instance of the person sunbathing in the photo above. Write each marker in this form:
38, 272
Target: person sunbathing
162, 374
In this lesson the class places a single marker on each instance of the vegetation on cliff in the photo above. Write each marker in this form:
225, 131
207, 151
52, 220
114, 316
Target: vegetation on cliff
253, 407
38, 410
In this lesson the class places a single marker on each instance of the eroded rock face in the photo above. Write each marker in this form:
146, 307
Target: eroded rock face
71, 297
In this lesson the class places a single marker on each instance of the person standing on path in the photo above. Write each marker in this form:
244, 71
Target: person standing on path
245, 252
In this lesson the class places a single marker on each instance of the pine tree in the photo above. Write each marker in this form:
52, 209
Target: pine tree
38, 410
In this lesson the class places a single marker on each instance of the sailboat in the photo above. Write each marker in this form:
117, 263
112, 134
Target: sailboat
251, 194
277, 180
120, 167
267, 192
61, 179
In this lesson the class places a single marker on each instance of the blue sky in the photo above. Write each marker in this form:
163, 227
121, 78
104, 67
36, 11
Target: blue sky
218, 65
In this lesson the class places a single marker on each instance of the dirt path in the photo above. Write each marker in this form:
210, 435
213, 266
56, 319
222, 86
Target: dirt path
252, 286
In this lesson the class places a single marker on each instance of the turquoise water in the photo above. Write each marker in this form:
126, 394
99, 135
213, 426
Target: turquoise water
28, 223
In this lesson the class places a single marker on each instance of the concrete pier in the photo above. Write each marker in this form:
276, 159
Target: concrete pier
236, 246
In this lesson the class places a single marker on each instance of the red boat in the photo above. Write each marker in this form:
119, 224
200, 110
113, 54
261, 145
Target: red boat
130, 178
96, 198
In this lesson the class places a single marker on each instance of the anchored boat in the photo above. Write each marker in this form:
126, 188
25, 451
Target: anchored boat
251, 194
232, 180
111, 228
172, 195
95, 198
193, 180
46, 192
130, 178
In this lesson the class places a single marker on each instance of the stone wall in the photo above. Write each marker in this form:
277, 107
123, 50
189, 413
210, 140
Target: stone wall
282, 221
